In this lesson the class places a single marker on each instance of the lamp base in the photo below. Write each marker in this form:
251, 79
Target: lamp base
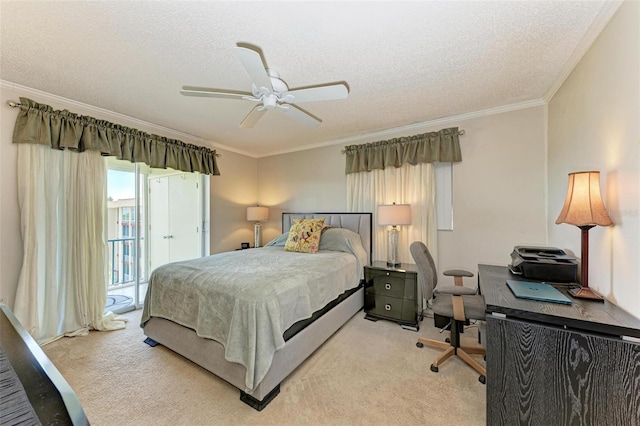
393, 264
585, 293
257, 235
392, 253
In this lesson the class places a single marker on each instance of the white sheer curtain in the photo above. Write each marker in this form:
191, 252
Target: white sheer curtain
62, 285
414, 185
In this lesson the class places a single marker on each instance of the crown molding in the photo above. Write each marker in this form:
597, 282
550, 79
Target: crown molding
116, 116
175, 134
601, 21
412, 128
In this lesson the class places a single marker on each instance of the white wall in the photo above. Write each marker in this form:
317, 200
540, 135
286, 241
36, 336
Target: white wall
499, 188
230, 193
594, 124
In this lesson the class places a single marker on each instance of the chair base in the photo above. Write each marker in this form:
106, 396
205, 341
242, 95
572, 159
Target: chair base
462, 352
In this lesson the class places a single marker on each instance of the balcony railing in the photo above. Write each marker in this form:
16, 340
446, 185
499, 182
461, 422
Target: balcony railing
118, 260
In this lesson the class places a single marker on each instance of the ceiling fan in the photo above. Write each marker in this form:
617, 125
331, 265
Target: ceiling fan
270, 92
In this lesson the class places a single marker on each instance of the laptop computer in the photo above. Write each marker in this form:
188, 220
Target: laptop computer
537, 291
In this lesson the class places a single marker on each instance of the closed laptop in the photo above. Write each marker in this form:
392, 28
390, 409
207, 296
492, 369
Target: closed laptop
537, 291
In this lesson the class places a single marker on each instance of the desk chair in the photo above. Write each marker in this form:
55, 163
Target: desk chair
454, 301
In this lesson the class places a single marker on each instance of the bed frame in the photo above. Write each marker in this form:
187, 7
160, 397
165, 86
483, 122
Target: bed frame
209, 354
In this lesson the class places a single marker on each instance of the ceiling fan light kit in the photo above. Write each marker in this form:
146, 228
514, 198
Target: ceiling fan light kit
271, 92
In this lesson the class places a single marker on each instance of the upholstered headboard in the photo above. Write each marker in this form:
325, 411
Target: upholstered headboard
360, 223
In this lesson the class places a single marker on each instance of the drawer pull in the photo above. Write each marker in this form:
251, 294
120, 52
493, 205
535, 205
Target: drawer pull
387, 274
387, 307
387, 286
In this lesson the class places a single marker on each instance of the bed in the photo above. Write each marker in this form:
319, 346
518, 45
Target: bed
267, 310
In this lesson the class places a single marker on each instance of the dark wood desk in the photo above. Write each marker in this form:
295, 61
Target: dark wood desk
554, 364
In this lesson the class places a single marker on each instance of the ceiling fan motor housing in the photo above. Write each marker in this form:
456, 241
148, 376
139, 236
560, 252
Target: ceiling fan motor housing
270, 101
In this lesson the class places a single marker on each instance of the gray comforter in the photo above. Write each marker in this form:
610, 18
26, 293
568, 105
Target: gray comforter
247, 299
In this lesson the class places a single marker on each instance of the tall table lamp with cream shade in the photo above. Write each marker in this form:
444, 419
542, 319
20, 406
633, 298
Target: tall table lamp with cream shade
585, 209
257, 214
394, 215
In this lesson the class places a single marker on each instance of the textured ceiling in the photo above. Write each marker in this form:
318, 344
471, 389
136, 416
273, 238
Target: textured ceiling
404, 62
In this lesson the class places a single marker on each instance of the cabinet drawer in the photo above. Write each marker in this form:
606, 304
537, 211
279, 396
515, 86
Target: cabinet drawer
384, 306
389, 285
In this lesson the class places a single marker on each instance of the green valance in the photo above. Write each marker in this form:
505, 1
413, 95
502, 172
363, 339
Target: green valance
60, 129
442, 146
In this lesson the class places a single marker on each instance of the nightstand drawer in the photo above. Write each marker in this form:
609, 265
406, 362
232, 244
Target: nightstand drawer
389, 284
389, 307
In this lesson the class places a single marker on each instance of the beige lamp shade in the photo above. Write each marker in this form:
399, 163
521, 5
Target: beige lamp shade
257, 214
583, 205
394, 214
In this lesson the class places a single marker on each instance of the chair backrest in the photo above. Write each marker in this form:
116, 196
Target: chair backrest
427, 274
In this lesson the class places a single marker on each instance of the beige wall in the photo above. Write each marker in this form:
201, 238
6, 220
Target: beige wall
499, 188
499, 198
594, 124
230, 193
305, 181
10, 236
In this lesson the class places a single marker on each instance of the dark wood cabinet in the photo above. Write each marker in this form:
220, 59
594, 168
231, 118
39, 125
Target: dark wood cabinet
35, 391
391, 293
554, 364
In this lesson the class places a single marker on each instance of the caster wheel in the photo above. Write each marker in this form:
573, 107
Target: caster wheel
434, 368
447, 340
482, 379
420, 344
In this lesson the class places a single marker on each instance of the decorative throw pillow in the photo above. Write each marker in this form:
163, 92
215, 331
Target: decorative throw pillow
304, 235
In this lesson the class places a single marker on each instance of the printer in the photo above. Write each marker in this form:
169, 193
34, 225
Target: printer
544, 264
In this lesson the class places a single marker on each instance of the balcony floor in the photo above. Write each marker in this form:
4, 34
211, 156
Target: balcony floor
122, 299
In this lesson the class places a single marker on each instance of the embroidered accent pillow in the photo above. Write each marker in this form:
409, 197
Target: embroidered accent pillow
304, 235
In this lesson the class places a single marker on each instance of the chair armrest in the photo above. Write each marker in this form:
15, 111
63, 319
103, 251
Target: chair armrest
455, 290
457, 273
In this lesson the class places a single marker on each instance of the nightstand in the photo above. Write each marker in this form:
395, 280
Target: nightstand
391, 293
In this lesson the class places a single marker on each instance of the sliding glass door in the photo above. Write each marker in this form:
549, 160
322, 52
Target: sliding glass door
155, 216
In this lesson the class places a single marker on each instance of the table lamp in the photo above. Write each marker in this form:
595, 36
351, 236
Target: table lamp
394, 215
584, 208
257, 214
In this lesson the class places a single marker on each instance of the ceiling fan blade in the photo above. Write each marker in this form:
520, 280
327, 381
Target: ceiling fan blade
252, 118
212, 93
319, 93
252, 62
300, 115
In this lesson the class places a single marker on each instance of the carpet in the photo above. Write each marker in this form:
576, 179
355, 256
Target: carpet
366, 373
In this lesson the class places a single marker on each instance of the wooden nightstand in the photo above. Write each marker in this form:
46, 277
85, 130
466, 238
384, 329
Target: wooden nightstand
391, 293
